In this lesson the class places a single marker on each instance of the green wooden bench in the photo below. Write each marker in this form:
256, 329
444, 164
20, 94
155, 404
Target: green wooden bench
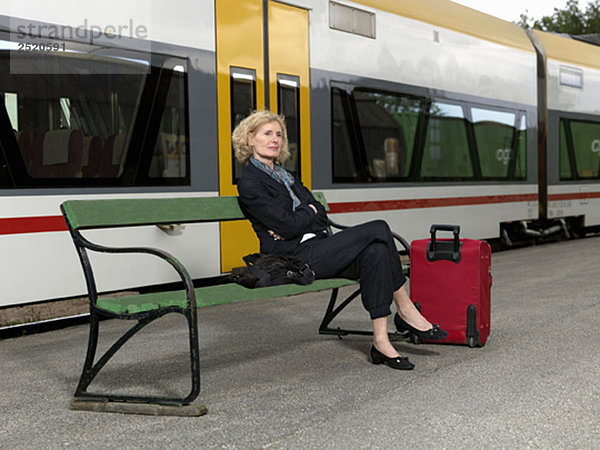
144, 308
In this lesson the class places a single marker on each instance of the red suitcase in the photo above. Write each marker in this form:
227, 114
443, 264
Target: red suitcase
450, 281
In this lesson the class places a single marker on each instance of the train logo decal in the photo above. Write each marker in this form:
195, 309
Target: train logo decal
503, 155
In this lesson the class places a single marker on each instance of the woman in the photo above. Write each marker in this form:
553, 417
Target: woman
289, 220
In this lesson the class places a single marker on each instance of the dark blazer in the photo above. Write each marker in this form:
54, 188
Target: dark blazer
268, 206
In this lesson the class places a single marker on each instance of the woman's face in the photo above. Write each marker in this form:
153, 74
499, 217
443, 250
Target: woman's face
266, 142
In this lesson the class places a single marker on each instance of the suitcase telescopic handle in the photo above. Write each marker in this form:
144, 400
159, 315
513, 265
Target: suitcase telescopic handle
433, 255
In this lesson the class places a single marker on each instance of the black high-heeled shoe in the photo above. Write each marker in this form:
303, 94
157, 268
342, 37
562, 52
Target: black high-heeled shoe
435, 333
399, 362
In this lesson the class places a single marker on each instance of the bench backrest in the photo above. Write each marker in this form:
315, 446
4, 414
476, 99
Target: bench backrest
123, 212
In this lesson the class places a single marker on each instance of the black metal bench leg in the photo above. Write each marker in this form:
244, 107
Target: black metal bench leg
328, 317
194, 356
86, 375
332, 312
153, 405
90, 369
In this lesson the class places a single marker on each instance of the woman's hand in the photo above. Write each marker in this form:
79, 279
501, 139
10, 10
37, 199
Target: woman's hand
275, 235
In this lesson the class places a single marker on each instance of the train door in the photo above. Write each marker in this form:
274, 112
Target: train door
262, 63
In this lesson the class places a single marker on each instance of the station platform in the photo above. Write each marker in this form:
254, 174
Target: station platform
270, 380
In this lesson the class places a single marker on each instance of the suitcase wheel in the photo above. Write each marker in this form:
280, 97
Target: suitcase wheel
472, 331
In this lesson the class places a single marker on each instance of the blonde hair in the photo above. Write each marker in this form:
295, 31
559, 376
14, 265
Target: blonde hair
250, 125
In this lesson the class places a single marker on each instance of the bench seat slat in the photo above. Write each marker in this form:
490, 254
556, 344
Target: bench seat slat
212, 295
149, 211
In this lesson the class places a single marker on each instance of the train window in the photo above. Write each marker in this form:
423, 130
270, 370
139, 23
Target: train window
288, 104
373, 134
387, 124
521, 156
501, 139
567, 158
65, 112
388, 136
170, 156
345, 167
12, 109
4, 175
79, 111
586, 148
243, 102
5, 179
446, 152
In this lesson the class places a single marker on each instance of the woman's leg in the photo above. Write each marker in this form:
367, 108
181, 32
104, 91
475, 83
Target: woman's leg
375, 266
367, 252
361, 252
409, 313
376, 283
381, 340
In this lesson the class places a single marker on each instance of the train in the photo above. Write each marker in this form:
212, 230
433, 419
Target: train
413, 112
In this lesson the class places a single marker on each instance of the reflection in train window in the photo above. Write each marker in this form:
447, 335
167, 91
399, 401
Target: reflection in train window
501, 139
76, 114
373, 134
387, 124
520, 172
567, 158
288, 104
387, 136
10, 102
346, 162
586, 144
12, 108
579, 149
243, 102
169, 159
4, 175
446, 152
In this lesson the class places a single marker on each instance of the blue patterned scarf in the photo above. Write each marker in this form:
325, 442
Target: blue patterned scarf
280, 175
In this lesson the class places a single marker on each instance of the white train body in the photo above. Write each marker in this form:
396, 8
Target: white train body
168, 82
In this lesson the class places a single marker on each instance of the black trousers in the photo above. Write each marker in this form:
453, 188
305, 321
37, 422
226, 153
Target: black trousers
364, 252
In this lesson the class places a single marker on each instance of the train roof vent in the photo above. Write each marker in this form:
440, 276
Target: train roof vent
351, 20
570, 76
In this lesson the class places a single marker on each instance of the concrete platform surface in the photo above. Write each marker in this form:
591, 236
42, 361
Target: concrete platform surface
269, 380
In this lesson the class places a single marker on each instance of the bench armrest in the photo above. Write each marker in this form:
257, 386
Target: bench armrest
396, 236
174, 262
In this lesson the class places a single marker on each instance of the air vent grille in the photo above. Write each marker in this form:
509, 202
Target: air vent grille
351, 20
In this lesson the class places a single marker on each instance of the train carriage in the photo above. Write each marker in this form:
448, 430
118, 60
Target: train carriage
415, 112
573, 128
128, 111
429, 122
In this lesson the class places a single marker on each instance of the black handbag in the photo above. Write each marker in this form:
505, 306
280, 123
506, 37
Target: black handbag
271, 270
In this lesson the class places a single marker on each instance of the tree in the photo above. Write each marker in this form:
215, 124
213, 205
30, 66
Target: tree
570, 20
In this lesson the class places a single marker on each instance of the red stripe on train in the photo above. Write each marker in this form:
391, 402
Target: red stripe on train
21, 225
573, 196
43, 224
384, 205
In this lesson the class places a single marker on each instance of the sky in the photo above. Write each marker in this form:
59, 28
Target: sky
510, 10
